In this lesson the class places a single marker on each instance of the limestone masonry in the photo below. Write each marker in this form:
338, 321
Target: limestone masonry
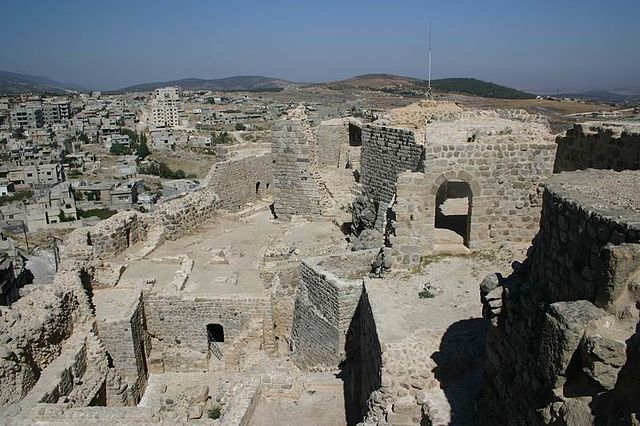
334, 280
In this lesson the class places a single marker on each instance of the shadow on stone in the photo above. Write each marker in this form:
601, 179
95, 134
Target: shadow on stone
460, 367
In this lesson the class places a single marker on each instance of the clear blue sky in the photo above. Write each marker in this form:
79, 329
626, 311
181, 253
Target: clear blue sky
529, 44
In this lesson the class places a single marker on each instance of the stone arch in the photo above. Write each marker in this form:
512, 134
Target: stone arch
454, 184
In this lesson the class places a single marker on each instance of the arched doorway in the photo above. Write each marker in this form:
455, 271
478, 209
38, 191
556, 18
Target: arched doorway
453, 213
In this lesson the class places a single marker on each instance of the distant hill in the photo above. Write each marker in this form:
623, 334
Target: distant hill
240, 82
415, 86
631, 95
13, 84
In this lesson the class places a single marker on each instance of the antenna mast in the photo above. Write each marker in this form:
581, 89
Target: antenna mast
429, 94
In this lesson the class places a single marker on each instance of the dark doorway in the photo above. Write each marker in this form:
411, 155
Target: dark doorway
355, 135
258, 189
215, 333
453, 208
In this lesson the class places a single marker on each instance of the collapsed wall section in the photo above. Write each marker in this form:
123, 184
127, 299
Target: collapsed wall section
242, 181
595, 145
565, 325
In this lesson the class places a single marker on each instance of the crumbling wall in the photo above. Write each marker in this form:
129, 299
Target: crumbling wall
183, 215
296, 186
34, 329
178, 324
111, 237
593, 145
505, 180
333, 143
239, 182
563, 344
387, 152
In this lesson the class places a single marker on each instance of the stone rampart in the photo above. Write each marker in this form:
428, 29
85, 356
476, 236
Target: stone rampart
595, 145
565, 323
296, 186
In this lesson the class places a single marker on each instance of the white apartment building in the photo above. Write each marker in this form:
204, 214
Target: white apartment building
165, 107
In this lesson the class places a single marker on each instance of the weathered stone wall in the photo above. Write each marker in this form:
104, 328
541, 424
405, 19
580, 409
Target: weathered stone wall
178, 324
324, 308
565, 324
34, 329
333, 143
110, 237
598, 146
504, 178
182, 215
122, 329
238, 182
387, 152
296, 188
363, 359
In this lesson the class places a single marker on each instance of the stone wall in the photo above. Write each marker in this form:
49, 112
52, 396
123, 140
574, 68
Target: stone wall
178, 324
564, 325
296, 185
333, 143
504, 179
238, 182
363, 360
595, 145
111, 237
122, 329
387, 152
34, 329
324, 308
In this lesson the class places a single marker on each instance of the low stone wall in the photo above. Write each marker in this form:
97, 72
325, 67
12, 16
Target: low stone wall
594, 145
565, 322
178, 324
238, 182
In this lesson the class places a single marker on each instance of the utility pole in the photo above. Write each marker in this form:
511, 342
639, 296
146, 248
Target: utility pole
429, 94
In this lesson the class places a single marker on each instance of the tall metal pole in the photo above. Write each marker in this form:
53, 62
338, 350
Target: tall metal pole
429, 81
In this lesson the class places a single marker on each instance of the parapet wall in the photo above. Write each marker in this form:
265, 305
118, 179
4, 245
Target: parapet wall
565, 324
239, 182
594, 145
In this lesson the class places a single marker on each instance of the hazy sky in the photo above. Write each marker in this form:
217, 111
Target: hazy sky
528, 44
